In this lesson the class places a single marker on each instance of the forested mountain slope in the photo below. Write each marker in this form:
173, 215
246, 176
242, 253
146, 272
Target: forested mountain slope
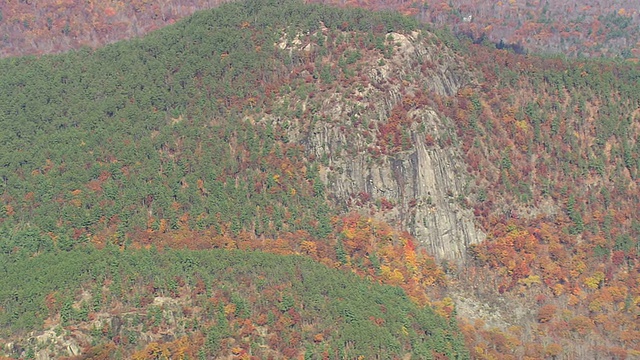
210, 304
354, 138
158, 144
553, 145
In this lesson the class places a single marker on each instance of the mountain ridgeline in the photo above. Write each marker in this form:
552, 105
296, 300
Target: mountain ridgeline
357, 139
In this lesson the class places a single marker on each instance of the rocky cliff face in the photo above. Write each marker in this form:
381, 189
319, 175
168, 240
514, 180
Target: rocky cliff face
424, 185
420, 185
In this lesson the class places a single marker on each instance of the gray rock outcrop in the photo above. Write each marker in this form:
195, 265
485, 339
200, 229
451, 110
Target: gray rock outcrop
425, 183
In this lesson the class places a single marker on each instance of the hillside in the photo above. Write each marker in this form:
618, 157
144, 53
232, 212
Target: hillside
588, 28
189, 304
561, 194
495, 187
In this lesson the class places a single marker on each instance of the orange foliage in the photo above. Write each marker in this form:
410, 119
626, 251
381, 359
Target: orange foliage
182, 348
546, 313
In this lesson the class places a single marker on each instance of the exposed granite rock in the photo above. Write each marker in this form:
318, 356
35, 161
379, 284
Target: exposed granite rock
425, 185
427, 182
71, 341
46, 345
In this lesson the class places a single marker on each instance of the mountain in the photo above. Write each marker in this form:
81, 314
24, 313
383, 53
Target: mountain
491, 188
164, 143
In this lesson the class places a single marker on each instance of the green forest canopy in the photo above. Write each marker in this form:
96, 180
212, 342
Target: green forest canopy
348, 309
141, 129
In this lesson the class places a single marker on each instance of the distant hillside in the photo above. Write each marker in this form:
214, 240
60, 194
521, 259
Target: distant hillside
577, 28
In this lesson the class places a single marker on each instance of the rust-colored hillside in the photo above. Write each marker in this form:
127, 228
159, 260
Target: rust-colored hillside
578, 28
